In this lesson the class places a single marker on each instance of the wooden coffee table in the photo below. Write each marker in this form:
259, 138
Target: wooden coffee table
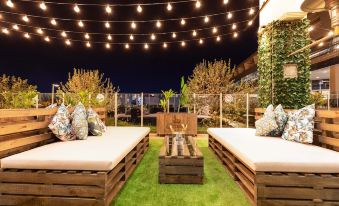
180, 162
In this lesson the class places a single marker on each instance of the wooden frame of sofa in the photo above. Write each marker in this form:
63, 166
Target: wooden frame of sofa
21, 130
287, 188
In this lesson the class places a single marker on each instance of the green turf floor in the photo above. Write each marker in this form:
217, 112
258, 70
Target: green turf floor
143, 188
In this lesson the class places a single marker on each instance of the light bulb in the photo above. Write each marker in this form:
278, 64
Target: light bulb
25, 18
88, 44
229, 15
250, 23
198, 4
164, 45
321, 44
9, 3
207, 19
182, 22
131, 37
108, 9
251, 12
218, 38
234, 26
107, 25
63, 34
201, 41
109, 37
15, 27
108, 46
139, 9
81, 24
146, 46
153, 37
310, 28
39, 31
27, 36
47, 39
235, 34
169, 7
215, 30
5, 31
174, 35
158, 24
53, 22
225, 1
68, 42
126, 46
183, 43
87, 36
133, 25
330, 33
194, 33
43, 6
76, 8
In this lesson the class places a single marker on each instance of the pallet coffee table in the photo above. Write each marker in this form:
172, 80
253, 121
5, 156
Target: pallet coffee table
180, 161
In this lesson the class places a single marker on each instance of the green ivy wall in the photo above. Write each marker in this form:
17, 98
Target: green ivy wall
276, 41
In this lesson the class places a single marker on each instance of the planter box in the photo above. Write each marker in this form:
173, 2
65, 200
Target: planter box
164, 120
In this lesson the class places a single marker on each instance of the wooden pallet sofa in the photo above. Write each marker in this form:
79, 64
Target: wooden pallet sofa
38, 170
272, 171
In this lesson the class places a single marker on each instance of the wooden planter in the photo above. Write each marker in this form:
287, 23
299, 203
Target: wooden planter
164, 120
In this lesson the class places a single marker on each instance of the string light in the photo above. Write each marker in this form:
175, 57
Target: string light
88, 45
9, 3
107, 25
234, 26
225, 1
87, 36
250, 23
63, 34
310, 28
194, 33
183, 43
81, 24
25, 18
321, 44
229, 15
218, 38
5, 31
146, 46
53, 22
198, 4
76, 8
43, 6
133, 25
126, 46
169, 7
182, 22
108, 46
15, 27
27, 36
109, 37
206, 19
330, 33
108, 9
153, 37
251, 12
158, 24
174, 35
47, 39
201, 41
164, 45
68, 42
131, 37
39, 31
235, 34
139, 9
215, 30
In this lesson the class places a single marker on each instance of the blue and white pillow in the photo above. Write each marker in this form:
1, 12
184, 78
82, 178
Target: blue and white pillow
281, 119
79, 122
95, 126
267, 123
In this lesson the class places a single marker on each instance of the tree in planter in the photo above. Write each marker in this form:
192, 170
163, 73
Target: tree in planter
208, 80
16, 92
165, 101
89, 87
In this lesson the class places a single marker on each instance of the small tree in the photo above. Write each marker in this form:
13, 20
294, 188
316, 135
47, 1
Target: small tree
208, 80
16, 92
89, 87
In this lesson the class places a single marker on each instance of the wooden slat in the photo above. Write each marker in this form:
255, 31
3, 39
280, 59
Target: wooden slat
18, 142
22, 127
10, 113
246, 172
327, 114
174, 148
180, 179
329, 140
329, 127
181, 170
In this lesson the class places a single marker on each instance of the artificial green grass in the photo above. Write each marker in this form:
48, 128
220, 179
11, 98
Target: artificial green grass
143, 187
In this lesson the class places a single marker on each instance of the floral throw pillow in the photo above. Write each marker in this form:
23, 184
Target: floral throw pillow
79, 122
281, 119
300, 125
61, 125
95, 126
267, 123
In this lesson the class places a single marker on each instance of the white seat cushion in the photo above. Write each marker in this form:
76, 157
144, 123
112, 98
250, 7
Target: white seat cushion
273, 154
100, 153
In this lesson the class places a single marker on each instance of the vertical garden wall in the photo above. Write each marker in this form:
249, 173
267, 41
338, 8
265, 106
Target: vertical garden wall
278, 82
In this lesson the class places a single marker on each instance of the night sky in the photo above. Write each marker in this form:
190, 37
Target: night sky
133, 70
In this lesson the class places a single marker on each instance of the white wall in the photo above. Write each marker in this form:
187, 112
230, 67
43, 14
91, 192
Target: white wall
278, 9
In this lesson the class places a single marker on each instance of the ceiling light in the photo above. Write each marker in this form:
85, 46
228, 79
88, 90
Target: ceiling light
9, 3
182, 22
87, 36
234, 26
153, 37
194, 33
109, 37
126, 46
183, 43
81, 24
169, 7
201, 41
15, 27
108, 46
43, 6
131, 37
215, 30
76, 8
146, 46
27, 36
198, 4
63, 34
235, 34
174, 35
158, 24
107, 25
139, 9
133, 25
39, 31
47, 39
5, 31
164, 45
225, 1
53, 22
108, 9
229, 15
68, 42
251, 12
25, 18
88, 44
207, 19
